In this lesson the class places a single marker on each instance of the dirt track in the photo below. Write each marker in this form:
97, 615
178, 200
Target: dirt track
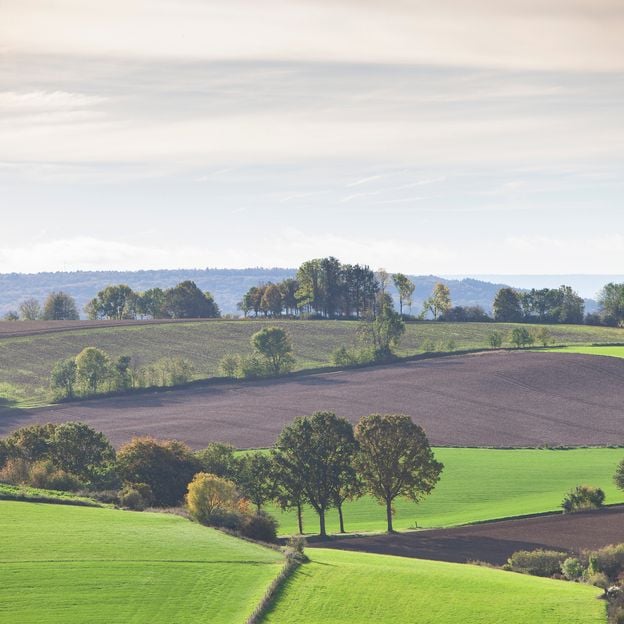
494, 399
494, 542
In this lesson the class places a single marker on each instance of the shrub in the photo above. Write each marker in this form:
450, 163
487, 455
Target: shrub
208, 494
537, 562
295, 547
583, 497
572, 568
495, 339
229, 365
135, 496
251, 367
259, 526
428, 346
343, 357
45, 475
608, 560
15, 471
225, 519
598, 579
218, 459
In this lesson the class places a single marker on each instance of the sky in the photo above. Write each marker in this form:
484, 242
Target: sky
446, 137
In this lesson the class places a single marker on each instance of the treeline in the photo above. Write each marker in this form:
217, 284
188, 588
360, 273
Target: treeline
120, 302
93, 372
319, 460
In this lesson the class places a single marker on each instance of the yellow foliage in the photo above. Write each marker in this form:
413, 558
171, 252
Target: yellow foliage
208, 493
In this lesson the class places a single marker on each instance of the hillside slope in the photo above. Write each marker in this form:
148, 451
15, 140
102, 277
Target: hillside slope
65, 565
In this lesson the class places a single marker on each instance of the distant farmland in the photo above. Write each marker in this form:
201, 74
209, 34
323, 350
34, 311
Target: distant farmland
491, 399
28, 351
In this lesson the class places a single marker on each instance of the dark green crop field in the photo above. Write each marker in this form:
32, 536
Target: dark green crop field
26, 361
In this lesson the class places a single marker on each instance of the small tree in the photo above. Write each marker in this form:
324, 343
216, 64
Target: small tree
63, 377
439, 302
405, 288
274, 344
208, 493
495, 339
93, 366
583, 497
395, 459
521, 337
30, 310
507, 306
218, 459
382, 334
60, 306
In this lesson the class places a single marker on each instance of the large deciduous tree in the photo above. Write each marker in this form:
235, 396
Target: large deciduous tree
30, 310
256, 478
316, 451
611, 302
507, 306
394, 459
186, 300
113, 302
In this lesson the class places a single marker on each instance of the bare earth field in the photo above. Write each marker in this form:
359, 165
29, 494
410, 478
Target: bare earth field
494, 542
504, 399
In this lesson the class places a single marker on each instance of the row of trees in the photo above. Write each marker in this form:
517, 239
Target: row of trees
93, 371
319, 460
58, 306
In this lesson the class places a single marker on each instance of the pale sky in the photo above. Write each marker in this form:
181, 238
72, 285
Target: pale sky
437, 137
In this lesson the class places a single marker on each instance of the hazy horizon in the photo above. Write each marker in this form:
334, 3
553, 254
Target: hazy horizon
445, 138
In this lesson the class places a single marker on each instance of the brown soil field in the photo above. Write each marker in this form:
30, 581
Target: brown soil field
494, 542
504, 399
12, 329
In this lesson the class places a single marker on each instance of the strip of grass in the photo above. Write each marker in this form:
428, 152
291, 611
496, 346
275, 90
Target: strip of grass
610, 351
342, 587
24, 493
26, 362
70, 565
482, 484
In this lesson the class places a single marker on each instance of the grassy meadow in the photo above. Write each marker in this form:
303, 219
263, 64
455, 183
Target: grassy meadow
26, 361
609, 351
64, 565
481, 484
342, 588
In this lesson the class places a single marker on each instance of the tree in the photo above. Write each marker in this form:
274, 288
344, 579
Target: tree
395, 459
60, 306
63, 377
114, 302
255, 478
92, 367
495, 339
271, 302
543, 336
30, 310
218, 459
186, 300
439, 302
618, 478
273, 343
507, 308
31, 443
315, 451
80, 450
166, 466
151, 303
11, 315
288, 289
290, 494
406, 289
571, 307
208, 493
383, 333
521, 337
611, 300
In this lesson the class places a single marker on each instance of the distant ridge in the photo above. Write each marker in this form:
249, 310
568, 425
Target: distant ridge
229, 285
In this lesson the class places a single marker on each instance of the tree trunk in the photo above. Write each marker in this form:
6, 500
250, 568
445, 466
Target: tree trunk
300, 518
322, 530
342, 529
389, 515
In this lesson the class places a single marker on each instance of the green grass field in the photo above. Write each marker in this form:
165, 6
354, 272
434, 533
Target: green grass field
61, 564
26, 362
25, 493
343, 588
482, 484
610, 351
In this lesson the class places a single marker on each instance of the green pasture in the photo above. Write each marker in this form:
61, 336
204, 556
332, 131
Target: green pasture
26, 362
610, 351
481, 484
65, 565
342, 588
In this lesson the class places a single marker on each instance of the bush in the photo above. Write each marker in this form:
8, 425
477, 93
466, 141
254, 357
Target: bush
598, 579
573, 569
608, 560
45, 475
259, 526
225, 519
251, 367
495, 339
537, 562
135, 496
583, 497
295, 547
343, 357
15, 471
208, 494
229, 365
